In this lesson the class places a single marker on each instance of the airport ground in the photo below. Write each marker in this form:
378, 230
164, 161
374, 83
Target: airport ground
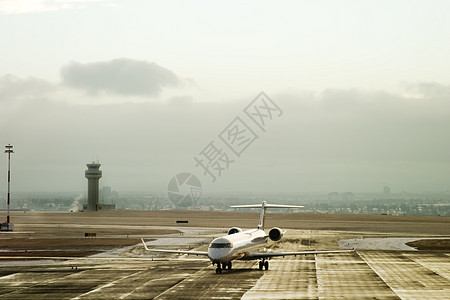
49, 256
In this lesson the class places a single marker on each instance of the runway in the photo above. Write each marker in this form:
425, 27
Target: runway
133, 274
36, 266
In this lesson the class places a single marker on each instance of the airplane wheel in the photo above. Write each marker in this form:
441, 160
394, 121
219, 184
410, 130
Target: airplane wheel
218, 271
224, 266
261, 264
229, 265
266, 265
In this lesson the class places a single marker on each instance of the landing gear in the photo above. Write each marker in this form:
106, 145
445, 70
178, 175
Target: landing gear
222, 266
263, 264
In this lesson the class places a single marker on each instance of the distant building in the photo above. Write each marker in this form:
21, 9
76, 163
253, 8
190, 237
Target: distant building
106, 194
93, 175
348, 196
333, 196
386, 190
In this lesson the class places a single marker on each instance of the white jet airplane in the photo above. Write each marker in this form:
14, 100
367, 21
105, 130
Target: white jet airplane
238, 244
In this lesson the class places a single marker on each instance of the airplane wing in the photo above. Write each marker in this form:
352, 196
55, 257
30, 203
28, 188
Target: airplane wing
258, 255
175, 251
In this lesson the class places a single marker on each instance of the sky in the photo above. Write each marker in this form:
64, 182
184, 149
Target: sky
357, 94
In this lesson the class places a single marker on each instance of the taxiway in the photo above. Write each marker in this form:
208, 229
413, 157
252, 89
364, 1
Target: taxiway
129, 272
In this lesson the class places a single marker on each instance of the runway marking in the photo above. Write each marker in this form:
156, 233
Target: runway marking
439, 265
205, 284
318, 278
378, 274
106, 285
407, 280
349, 278
124, 296
19, 290
173, 287
286, 279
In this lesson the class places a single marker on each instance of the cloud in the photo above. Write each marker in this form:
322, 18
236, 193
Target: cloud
357, 140
13, 88
38, 6
115, 81
337, 140
122, 76
432, 90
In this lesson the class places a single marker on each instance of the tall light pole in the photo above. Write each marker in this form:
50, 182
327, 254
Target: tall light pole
9, 150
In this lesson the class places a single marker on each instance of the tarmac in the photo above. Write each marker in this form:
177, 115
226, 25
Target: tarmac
132, 273
129, 273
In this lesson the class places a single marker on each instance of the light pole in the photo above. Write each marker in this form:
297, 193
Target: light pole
8, 226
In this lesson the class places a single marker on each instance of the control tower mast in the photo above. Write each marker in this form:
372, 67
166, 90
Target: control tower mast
93, 174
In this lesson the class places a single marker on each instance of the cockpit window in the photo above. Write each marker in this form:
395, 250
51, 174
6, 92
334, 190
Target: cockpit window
220, 245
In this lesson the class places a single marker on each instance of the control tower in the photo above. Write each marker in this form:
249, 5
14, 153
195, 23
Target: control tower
93, 174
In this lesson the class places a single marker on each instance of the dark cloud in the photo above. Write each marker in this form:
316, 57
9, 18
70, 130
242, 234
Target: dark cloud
123, 76
338, 140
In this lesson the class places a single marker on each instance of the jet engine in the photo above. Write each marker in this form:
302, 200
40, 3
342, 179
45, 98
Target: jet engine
275, 234
234, 230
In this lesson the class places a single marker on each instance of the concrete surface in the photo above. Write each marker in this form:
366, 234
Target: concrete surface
128, 272
386, 243
133, 274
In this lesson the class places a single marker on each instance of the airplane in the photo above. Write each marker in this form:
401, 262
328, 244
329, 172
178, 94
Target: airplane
239, 245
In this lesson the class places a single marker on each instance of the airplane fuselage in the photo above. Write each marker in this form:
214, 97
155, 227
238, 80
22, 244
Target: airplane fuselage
236, 246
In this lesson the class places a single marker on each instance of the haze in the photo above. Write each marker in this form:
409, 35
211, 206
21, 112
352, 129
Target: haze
145, 86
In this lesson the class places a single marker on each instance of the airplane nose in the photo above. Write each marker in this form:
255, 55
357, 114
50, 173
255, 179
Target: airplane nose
219, 250
217, 255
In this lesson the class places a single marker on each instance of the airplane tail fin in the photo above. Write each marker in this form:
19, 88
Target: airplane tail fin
263, 207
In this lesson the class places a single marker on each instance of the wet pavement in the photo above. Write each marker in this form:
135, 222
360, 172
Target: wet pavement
132, 273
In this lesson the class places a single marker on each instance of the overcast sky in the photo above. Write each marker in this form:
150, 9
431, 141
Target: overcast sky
362, 90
